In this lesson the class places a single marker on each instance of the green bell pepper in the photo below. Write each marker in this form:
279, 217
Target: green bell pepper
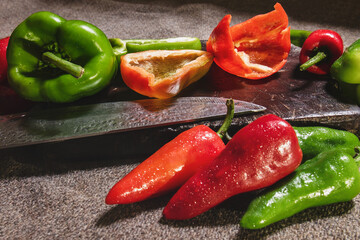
314, 140
347, 67
332, 176
346, 71
122, 47
52, 59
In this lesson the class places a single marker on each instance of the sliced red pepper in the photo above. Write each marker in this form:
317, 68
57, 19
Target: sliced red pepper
320, 50
173, 164
257, 156
3, 62
254, 49
164, 73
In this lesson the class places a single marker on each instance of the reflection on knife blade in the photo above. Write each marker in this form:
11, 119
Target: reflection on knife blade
58, 124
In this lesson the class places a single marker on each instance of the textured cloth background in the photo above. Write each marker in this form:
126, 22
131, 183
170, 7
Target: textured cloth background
46, 194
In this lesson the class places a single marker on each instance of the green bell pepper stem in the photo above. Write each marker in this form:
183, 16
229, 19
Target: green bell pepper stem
69, 67
331, 177
298, 37
312, 61
229, 117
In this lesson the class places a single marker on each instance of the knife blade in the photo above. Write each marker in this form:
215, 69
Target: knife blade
59, 124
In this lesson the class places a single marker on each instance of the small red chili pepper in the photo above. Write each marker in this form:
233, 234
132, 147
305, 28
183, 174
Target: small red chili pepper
171, 165
257, 156
320, 50
3, 62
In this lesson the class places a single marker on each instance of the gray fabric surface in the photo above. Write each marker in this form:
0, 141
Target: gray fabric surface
45, 195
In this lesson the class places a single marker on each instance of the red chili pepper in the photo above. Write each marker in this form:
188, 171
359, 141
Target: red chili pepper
254, 49
320, 50
171, 165
3, 62
10, 101
257, 156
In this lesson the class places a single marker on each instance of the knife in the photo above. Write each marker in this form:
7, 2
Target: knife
59, 124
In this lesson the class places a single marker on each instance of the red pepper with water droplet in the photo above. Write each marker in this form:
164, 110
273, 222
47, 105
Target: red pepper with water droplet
259, 155
169, 167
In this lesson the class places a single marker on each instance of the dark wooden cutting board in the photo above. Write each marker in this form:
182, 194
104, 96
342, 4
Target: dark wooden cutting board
299, 97
291, 94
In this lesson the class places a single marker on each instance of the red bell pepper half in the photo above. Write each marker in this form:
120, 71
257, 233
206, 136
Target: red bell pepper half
257, 156
254, 49
164, 73
173, 164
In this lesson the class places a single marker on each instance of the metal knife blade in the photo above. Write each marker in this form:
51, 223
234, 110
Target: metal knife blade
59, 124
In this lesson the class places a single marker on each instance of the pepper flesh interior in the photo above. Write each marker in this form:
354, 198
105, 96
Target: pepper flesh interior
253, 51
164, 66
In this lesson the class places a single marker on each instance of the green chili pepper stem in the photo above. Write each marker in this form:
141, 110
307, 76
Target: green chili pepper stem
69, 67
119, 47
312, 61
229, 116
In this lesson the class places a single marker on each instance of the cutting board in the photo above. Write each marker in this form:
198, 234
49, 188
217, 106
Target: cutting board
296, 96
299, 97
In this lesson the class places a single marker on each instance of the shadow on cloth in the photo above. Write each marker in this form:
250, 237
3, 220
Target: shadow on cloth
82, 154
231, 211
227, 213
308, 215
127, 211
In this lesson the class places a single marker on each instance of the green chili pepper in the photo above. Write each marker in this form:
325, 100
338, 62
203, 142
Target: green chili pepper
52, 59
138, 45
346, 71
121, 47
298, 37
314, 140
332, 176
